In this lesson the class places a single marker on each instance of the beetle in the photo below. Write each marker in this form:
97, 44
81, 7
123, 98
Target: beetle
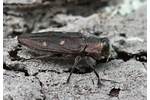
68, 43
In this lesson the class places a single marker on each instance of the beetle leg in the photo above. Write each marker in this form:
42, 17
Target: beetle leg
90, 63
77, 59
39, 57
106, 64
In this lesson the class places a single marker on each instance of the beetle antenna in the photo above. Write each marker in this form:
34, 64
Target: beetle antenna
106, 64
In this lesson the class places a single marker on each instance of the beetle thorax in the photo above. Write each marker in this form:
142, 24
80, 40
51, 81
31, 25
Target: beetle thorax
93, 48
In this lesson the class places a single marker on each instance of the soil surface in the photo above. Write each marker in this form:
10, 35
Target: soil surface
45, 79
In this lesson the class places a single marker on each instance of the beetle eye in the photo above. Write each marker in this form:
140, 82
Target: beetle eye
105, 46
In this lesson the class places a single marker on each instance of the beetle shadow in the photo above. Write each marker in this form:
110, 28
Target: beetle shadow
81, 68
